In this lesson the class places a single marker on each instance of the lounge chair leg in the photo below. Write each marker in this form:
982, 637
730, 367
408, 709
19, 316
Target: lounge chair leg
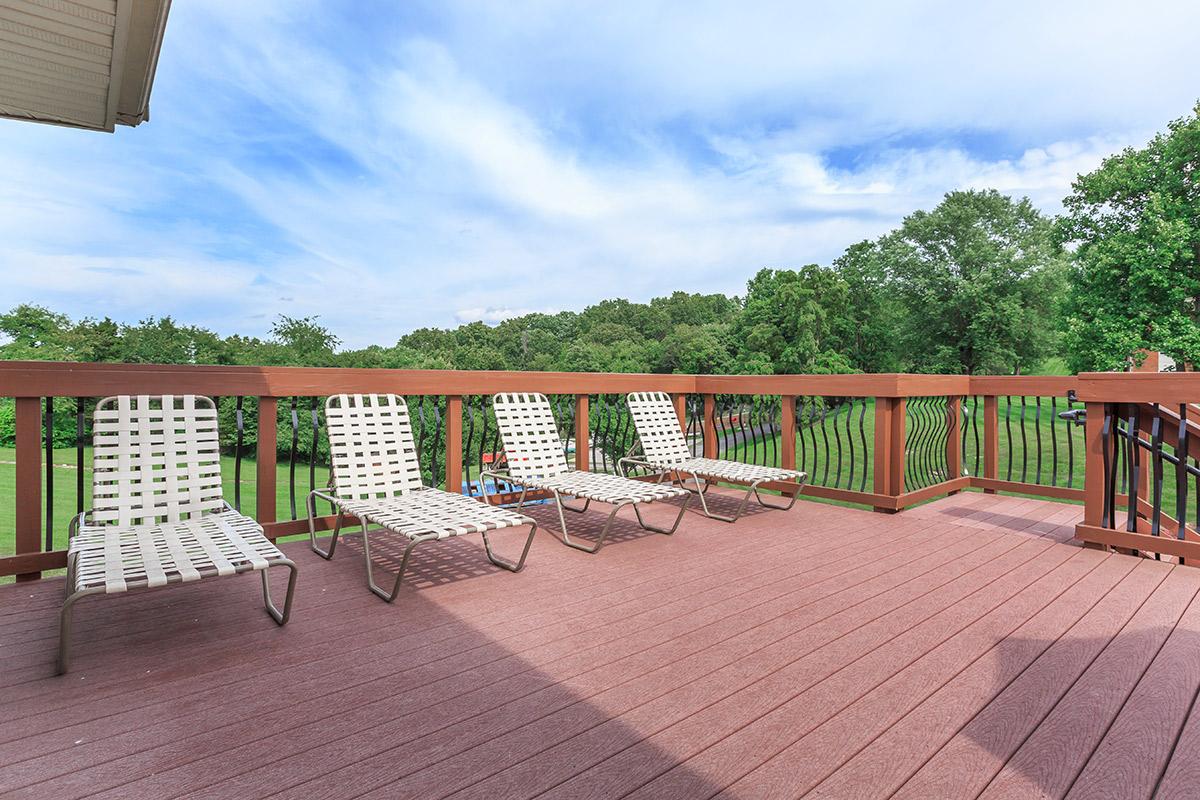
668, 531
412, 543
64, 627
280, 617
587, 502
312, 529
566, 539
765, 504
505, 563
753, 490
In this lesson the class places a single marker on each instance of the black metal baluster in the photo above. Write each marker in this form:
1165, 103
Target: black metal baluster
812, 435
862, 438
1054, 440
240, 421
469, 407
1071, 447
1181, 474
916, 444
1109, 512
1132, 463
837, 443
1024, 444
314, 413
79, 441
1037, 431
49, 424
975, 431
825, 441
801, 450
292, 456
434, 461
1008, 433
1156, 455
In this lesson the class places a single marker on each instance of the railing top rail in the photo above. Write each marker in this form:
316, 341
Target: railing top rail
1139, 387
1026, 385
75, 379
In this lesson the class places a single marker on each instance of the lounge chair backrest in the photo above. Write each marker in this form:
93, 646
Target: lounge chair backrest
531, 442
658, 427
155, 458
371, 446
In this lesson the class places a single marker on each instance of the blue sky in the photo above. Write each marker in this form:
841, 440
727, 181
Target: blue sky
392, 165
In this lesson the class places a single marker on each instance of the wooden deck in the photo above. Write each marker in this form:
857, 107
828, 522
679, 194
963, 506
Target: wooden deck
961, 649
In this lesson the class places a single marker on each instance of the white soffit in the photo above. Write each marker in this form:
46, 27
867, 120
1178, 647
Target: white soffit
82, 63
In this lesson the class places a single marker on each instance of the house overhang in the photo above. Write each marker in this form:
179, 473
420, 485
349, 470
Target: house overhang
81, 63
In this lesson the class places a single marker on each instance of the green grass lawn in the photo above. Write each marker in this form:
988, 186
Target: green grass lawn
65, 497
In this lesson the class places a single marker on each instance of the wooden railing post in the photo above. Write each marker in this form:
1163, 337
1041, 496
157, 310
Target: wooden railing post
954, 439
583, 430
454, 443
680, 403
889, 447
710, 426
28, 500
1093, 465
991, 439
264, 474
787, 432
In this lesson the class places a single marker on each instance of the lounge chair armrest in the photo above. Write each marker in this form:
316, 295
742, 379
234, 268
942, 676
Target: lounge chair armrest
495, 475
637, 462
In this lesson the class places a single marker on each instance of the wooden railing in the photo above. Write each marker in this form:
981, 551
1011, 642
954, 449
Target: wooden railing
883, 441
1143, 475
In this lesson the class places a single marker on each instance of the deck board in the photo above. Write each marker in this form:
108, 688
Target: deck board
963, 648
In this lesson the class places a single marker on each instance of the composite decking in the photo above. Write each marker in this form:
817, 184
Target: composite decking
965, 648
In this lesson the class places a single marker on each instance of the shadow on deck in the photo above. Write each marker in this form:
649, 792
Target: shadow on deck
959, 649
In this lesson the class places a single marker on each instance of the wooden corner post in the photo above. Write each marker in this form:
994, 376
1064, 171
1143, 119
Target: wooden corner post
787, 432
454, 443
28, 500
991, 439
583, 430
889, 447
264, 472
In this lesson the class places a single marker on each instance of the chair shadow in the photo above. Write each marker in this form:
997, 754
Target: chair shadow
438, 563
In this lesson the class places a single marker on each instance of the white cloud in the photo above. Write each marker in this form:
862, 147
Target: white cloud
552, 155
490, 315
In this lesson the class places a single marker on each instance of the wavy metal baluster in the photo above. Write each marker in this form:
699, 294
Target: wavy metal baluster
1008, 434
49, 424
1181, 473
1070, 448
295, 420
79, 442
240, 417
1037, 433
837, 444
316, 442
434, 461
1133, 429
1054, 440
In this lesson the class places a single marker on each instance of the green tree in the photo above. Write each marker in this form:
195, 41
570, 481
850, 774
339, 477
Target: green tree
865, 332
34, 333
786, 325
979, 279
1135, 226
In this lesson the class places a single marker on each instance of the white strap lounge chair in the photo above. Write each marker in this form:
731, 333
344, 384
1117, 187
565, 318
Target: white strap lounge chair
665, 449
536, 460
157, 515
377, 479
